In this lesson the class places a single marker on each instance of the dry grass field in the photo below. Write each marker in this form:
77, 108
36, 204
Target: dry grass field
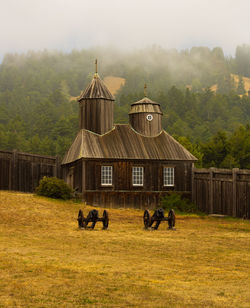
114, 83
235, 77
46, 261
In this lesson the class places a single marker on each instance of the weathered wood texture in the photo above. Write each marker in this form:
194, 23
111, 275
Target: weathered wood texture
153, 175
96, 107
96, 115
22, 171
96, 89
123, 142
74, 175
222, 191
140, 123
127, 199
138, 117
85, 177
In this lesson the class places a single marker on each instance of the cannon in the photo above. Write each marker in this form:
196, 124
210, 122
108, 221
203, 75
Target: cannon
93, 216
158, 217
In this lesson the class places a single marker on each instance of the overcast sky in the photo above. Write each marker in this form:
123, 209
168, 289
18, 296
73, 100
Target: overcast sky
68, 24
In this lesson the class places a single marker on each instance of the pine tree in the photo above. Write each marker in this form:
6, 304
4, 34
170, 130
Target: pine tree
241, 86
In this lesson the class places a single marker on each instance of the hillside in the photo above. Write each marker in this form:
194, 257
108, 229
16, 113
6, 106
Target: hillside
235, 78
46, 261
38, 92
246, 81
114, 83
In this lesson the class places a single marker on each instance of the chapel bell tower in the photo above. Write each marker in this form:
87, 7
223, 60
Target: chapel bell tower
145, 116
96, 107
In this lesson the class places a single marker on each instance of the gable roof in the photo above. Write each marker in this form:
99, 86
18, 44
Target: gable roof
96, 89
123, 142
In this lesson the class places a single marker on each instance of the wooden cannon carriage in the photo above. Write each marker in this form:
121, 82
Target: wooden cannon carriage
93, 216
157, 218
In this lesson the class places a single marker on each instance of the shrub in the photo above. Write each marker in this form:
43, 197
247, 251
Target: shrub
54, 188
174, 201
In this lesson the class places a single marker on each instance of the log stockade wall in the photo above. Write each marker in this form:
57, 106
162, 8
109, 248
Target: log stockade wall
215, 191
23, 171
222, 191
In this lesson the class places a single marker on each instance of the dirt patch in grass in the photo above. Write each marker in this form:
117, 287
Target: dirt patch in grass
46, 261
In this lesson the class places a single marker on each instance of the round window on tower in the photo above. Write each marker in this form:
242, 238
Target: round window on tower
149, 117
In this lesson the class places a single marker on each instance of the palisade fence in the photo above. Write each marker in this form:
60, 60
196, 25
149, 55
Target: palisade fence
222, 191
215, 191
22, 171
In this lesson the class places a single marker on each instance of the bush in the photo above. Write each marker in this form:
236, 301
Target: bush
174, 201
53, 187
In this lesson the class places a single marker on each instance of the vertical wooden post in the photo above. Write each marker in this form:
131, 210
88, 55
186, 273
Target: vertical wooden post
56, 169
185, 177
83, 180
14, 182
211, 190
10, 174
192, 185
33, 180
234, 172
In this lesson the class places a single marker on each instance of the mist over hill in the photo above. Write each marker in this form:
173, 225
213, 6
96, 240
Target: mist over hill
38, 112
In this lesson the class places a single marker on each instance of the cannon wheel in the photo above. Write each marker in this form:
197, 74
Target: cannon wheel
171, 219
146, 219
81, 223
105, 221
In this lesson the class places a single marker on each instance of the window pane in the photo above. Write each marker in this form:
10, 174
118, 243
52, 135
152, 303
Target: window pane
137, 176
168, 176
106, 175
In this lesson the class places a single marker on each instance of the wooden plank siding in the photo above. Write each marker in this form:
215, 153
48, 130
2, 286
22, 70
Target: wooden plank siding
222, 191
22, 171
124, 199
122, 192
153, 175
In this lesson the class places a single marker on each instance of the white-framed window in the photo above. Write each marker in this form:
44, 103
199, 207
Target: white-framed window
168, 176
137, 176
106, 175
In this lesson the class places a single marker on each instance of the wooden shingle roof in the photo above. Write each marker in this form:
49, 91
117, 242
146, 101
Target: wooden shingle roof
145, 100
145, 105
123, 142
96, 89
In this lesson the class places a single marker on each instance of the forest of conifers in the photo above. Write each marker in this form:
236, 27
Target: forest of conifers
39, 115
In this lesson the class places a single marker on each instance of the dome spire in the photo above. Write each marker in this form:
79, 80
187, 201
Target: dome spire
145, 90
96, 73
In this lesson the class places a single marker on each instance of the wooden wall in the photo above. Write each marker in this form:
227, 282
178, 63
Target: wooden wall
96, 115
222, 191
148, 128
126, 199
73, 174
22, 171
85, 177
153, 175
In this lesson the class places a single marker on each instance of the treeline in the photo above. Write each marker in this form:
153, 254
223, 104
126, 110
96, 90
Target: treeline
222, 150
38, 114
